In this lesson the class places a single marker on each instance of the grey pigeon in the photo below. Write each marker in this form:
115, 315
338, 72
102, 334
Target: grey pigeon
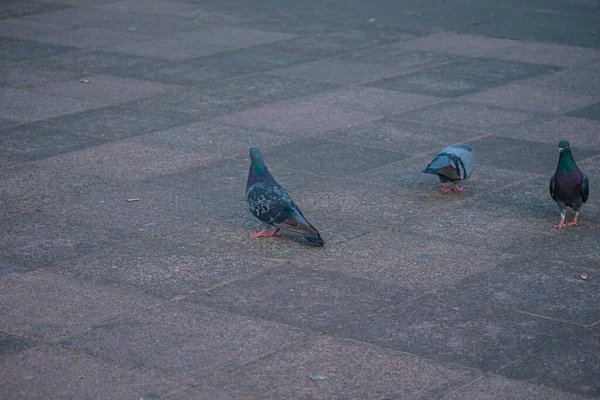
270, 203
452, 164
569, 186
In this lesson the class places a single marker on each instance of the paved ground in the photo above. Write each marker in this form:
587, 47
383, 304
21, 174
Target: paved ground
416, 295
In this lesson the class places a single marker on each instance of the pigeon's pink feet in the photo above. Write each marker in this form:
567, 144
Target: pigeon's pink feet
446, 190
561, 224
264, 234
459, 189
573, 223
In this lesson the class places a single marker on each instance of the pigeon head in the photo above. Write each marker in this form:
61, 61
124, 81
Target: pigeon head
257, 164
563, 145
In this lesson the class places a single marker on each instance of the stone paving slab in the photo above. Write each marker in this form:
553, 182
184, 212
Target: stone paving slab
126, 265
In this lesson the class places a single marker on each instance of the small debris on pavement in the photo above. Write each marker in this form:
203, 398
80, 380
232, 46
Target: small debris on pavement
86, 81
317, 377
132, 200
584, 276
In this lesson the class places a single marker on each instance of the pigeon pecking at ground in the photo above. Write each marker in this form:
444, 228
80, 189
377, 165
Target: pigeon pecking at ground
452, 164
270, 203
569, 186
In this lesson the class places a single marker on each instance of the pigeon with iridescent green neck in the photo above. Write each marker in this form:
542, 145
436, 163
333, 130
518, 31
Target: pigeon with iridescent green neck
569, 186
270, 203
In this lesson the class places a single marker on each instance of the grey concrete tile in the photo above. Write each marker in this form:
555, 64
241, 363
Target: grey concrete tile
401, 258
27, 29
105, 89
64, 374
469, 115
229, 96
84, 37
21, 8
492, 387
398, 56
350, 369
153, 7
324, 158
26, 106
10, 344
570, 81
527, 98
458, 331
114, 123
30, 142
463, 76
216, 138
457, 44
46, 315
25, 188
304, 298
36, 240
535, 286
303, 119
403, 136
162, 268
570, 364
591, 112
369, 100
338, 71
187, 340
208, 392
34, 74
126, 161
16, 51
546, 53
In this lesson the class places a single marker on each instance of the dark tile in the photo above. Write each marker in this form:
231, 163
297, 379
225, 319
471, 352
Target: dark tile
14, 50
61, 373
187, 340
30, 142
11, 344
571, 364
326, 158
90, 38
456, 44
93, 62
24, 188
468, 115
20, 8
570, 81
591, 112
37, 240
297, 118
492, 387
34, 305
305, 298
27, 29
464, 76
344, 369
114, 123
229, 96
536, 286
546, 53
152, 7
163, 268
522, 155
452, 330
34, 74
398, 56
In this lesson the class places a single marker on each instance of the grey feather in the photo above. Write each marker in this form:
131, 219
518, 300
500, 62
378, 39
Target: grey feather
452, 163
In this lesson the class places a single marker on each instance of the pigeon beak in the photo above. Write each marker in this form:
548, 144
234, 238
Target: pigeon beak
560, 149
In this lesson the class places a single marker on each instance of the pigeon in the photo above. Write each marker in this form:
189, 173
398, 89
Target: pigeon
452, 164
269, 202
569, 186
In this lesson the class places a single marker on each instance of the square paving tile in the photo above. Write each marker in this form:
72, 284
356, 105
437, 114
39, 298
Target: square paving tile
93, 38
590, 112
126, 161
15, 51
30, 142
454, 330
403, 259
208, 392
232, 95
114, 123
456, 44
163, 268
305, 298
299, 118
402, 136
396, 55
338, 71
34, 74
21, 8
350, 370
537, 99
154, 7
571, 364
216, 138
187, 340
535, 286
468, 115
27, 29
64, 374
570, 81
463, 76
48, 316
369, 100
25, 106
37, 240
24, 188
492, 387
546, 53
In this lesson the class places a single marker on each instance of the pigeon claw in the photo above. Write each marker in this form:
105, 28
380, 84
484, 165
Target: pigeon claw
561, 224
572, 223
264, 234
459, 189
446, 190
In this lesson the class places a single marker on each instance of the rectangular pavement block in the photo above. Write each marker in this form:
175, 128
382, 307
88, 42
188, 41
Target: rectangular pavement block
17, 51
590, 112
456, 44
